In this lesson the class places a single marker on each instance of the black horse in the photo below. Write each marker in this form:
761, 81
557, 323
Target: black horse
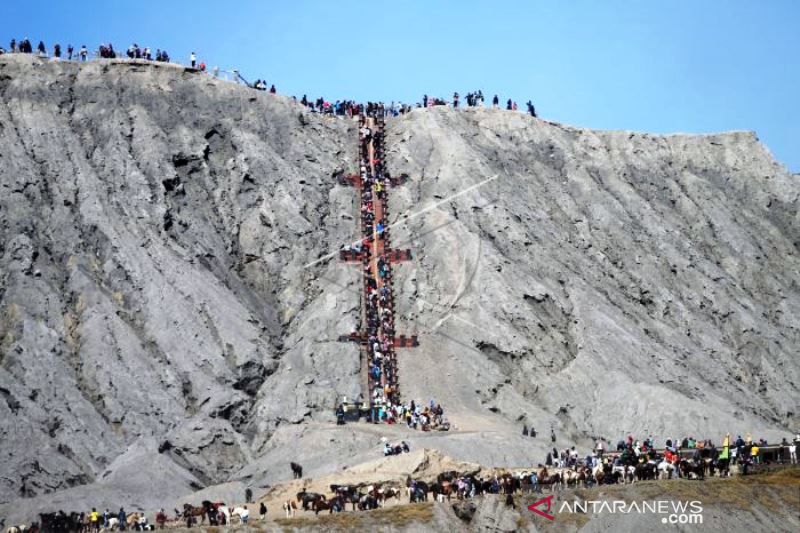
308, 498
297, 470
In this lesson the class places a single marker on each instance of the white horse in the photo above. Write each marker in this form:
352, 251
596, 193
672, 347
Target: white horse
225, 511
113, 523
665, 470
290, 508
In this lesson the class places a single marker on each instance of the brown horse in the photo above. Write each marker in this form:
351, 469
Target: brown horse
546, 480
190, 513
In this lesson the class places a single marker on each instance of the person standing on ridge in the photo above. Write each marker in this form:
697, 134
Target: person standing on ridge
193, 59
84, 53
495, 102
69, 52
531, 109
455, 100
42, 50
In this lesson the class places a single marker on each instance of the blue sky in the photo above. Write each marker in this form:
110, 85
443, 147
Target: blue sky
657, 66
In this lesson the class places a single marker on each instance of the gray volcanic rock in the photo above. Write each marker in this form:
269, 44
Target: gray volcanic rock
620, 282
154, 228
158, 321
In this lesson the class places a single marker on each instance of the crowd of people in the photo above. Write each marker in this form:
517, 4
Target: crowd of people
338, 108
104, 51
744, 451
377, 270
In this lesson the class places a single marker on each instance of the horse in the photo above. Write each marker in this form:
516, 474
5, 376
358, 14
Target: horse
645, 471
305, 498
723, 465
581, 476
290, 508
552, 481
190, 512
690, 470
598, 474
334, 504
570, 477
297, 470
387, 493
665, 469
367, 502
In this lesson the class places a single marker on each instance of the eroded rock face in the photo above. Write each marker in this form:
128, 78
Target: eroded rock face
620, 282
154, 225
156, 316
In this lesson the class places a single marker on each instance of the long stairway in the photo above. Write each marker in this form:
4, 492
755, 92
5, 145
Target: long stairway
377, 335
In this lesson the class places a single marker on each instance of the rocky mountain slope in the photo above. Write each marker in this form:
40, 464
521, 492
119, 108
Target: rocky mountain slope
157, 321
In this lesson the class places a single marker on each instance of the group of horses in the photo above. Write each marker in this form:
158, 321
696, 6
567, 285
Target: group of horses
217, 513
451, 484
363, 498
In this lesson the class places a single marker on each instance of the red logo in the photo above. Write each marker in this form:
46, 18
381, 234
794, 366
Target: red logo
546, 513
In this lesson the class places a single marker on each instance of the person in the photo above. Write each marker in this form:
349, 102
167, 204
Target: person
42, 50
69, 52
193, 59
600, 448
495, 102
84, 53
524, 430
161, 518
57, 51
245, 515
424, 97
272, 89
552, 435
248, 495
793, 451
106, 518
94, 520
387, 449
531, 109
13, 47
455, 100
754, 454
533, 431
122, 517
262, 511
